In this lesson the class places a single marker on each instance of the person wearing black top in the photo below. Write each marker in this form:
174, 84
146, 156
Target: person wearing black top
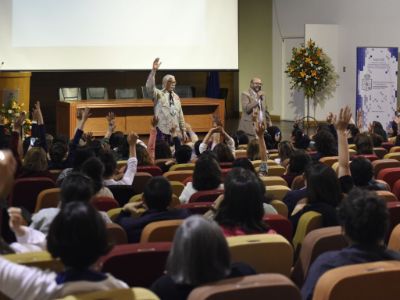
365, 221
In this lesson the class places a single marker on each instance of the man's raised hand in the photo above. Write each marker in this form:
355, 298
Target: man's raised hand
156, 64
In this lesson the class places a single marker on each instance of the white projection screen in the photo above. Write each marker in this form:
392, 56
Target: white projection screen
118, 34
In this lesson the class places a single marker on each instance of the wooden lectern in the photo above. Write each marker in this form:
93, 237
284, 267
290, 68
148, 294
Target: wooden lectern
135, 114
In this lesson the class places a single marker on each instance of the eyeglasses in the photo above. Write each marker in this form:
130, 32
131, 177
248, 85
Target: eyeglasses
257, 83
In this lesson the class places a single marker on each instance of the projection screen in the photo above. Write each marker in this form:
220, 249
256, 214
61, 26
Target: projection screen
118, 34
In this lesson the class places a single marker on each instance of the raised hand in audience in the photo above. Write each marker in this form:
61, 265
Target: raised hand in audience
18, 122
216, 121
193, 136
110, 124
82, 116
210, 132
132, 139
344, 119
111, 121
341, 128
39, 114
88, 137
16, 221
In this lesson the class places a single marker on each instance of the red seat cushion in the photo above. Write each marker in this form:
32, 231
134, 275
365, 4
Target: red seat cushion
280, 224
137, 264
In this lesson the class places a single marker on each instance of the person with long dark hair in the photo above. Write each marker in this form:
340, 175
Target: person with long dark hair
241, 210
206, 176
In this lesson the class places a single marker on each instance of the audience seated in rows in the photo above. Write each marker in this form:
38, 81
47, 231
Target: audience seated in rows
239, 211
75, 188
323, 187
323, 194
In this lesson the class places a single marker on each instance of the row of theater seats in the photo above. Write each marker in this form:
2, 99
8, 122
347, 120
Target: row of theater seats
271, 256
75, 93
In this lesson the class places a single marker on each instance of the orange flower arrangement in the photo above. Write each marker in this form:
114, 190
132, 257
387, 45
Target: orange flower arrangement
309, 69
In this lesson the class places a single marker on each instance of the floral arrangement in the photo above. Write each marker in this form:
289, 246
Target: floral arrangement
310, 70
12, 110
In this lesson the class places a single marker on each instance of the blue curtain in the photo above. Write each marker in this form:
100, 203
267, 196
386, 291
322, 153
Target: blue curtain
212, 89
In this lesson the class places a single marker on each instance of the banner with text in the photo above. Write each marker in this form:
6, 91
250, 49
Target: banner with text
376, 86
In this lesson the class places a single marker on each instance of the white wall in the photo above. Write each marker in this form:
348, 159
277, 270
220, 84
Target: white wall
326, 37
361, 23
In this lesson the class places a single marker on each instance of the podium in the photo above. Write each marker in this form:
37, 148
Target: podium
135, 114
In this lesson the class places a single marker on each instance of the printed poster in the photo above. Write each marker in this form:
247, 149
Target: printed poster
376, 85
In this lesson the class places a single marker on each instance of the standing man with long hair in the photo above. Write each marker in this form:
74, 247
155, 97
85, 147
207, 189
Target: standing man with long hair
167, 105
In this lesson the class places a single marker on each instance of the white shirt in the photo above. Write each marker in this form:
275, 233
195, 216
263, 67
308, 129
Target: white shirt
131, 168
189, 190
42, 219
259, 101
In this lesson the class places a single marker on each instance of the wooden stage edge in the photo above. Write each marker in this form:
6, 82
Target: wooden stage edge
135, 114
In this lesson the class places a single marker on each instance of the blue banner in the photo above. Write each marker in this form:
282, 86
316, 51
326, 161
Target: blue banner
212, 88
